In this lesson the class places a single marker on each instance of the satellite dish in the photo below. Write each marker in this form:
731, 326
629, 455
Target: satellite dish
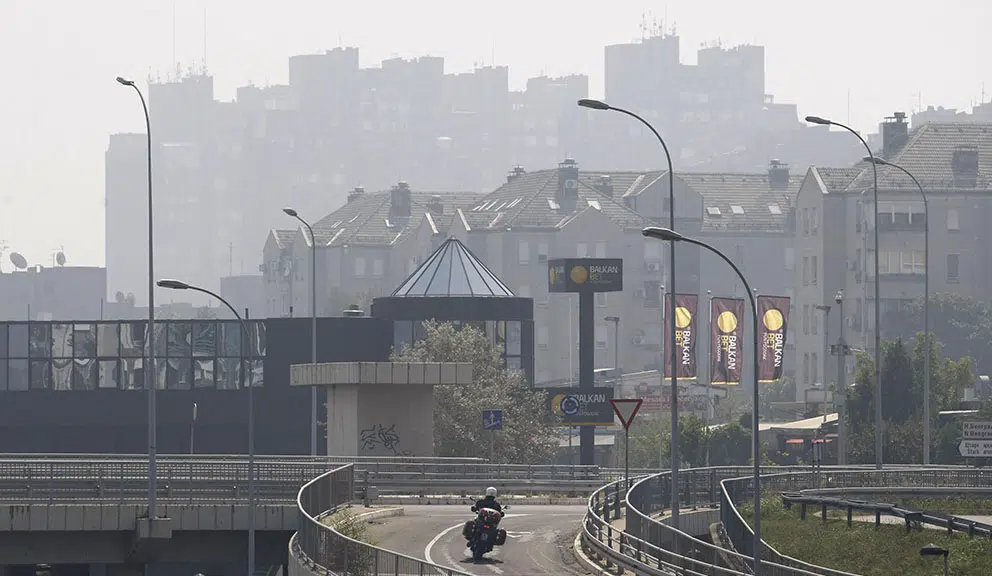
119, 296
19, 262
60, 258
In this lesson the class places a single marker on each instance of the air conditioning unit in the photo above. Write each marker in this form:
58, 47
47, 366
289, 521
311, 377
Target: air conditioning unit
852, 265
542, 346
639, 294
638, 341
653, 267
542, 257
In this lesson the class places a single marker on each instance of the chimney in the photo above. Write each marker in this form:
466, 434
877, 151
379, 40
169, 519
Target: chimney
355, 194
964, 166
435, 206
516, 172
895, 133
778, 175
400, 200
568, 185
604, 184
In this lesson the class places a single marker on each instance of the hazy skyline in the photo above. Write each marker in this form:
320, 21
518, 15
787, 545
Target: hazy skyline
60, 59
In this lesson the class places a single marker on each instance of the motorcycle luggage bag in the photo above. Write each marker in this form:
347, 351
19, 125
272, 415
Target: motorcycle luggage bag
500, 537
468, 529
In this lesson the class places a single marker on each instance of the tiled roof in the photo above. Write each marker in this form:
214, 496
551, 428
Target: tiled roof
529, 201
743, 202
452, 270
929, 155
367, 220
284, 238
838, 179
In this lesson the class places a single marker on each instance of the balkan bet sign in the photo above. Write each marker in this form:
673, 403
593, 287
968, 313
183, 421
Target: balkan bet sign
585, 275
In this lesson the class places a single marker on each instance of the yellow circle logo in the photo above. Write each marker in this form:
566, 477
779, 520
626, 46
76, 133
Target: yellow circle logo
553, 275
773, 320
726, 322
579, 274
682, 318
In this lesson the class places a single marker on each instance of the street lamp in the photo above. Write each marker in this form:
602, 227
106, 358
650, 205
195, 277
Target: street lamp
150, 372
616, 346
877, 285
245, 338
934, 550
600, 105
672, 236
314, 397
926, 301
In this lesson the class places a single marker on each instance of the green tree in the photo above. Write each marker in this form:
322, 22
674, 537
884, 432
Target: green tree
528, 435
646, 440
693, 440
730, 445
963, 324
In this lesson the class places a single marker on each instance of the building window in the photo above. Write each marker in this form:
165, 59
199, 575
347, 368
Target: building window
805, 270
542, 337
652, 294
858, 216
523, 253
601, 299
359, 267
814, 270
790, 258
813, 221
805, 318
601, 337
542, 252
805, 221
953, 268
814, 367
581, 250
806, 368
814, 320
378, 268
953, 220
601, 249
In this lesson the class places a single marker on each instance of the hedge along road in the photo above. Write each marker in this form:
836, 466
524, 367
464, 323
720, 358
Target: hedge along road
539, 539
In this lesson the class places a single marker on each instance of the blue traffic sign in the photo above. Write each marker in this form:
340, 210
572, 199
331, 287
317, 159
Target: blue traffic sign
492, 419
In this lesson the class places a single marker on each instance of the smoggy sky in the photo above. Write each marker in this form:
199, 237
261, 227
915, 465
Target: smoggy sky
58, 60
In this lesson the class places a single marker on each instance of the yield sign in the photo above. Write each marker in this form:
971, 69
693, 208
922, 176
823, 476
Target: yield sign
626, 409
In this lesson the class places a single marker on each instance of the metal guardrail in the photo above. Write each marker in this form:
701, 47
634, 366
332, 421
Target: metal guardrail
203, 479
649, 546
325, 550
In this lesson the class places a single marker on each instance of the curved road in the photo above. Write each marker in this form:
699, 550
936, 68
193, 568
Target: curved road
539, 539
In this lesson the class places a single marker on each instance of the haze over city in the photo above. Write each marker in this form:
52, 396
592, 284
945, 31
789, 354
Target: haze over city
60, 59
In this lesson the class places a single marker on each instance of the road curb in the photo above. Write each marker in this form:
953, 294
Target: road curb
588, 563
458, 500
383, 513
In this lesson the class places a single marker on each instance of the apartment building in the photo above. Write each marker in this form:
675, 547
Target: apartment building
834, 237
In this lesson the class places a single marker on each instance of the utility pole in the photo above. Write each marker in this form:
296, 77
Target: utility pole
842, 351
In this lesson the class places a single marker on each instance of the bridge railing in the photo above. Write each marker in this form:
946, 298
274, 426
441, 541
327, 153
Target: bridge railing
325, 550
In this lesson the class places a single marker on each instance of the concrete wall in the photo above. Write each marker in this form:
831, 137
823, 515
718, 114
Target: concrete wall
382, 420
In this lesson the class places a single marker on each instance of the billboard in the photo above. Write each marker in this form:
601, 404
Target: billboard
726, 338
773, 324
572, 406
585, 275
686, 308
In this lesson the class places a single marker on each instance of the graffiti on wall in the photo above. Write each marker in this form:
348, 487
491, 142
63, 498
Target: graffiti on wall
381, 440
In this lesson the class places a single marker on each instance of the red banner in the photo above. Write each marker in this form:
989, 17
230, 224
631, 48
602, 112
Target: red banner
773, 324
686, 307
726, 339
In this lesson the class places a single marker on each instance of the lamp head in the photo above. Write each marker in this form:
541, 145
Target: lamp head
818, 120
290, 212
172, 284
839, 297
593, 104
879, 161
662, 234
124, 81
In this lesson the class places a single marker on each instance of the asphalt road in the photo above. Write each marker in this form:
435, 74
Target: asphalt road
539, 539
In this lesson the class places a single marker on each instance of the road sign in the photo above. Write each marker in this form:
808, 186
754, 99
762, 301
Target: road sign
975, 448
626, 409
492, 419
976, 431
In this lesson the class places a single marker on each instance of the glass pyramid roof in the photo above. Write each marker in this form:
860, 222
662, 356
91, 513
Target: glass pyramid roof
452, 270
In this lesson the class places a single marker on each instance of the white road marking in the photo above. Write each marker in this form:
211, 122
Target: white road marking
448, 558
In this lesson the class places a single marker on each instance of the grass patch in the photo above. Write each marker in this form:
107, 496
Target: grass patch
955, 506
864, 549
347, 522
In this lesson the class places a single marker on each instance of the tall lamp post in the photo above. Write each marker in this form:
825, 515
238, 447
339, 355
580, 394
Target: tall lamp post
877, 287
600, 105
314, 397
150, 373
672, 236
245, 338
926, 301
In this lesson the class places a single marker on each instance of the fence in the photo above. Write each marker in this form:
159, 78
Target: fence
325, 550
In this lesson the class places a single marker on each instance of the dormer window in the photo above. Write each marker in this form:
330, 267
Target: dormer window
713, 211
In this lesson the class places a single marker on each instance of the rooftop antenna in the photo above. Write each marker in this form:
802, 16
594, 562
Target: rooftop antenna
174, 61
204, 38
644, 26
3, 248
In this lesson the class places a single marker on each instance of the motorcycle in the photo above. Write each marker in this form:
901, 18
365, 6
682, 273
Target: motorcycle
484, 532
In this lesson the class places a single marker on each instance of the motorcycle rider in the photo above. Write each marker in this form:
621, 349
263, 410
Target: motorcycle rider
489, 502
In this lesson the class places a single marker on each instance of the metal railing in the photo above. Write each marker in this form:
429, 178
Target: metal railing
325, 550
204, 479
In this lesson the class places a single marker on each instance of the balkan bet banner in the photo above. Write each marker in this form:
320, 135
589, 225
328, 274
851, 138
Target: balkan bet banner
773, 315
726, 338
686, 308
